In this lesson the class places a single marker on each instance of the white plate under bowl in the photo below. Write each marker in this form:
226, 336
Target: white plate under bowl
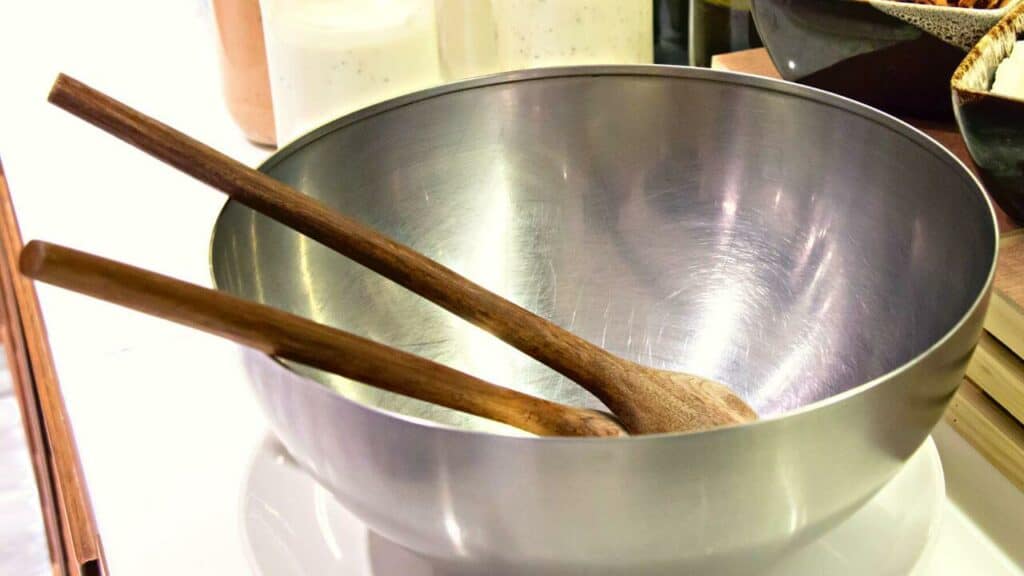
294, 527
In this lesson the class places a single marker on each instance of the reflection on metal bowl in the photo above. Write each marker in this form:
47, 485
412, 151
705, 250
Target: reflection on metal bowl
827, 262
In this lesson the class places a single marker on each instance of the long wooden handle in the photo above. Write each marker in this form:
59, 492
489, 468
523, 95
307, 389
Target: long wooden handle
588, 365
63, 487
282, 334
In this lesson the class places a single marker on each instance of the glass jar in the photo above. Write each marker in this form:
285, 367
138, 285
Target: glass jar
486, 36
672, 32
718, 27
327, 58
243, 64
534, 33
467, 38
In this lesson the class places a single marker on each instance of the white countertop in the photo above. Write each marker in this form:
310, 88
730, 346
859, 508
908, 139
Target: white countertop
164, 421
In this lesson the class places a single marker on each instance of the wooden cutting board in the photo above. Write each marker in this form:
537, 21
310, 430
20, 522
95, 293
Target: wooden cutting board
990, 430
1000, 373
998, 363
1005, 320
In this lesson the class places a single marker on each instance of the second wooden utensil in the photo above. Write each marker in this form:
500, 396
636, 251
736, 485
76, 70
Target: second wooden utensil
644, 399
282, 334
76, 547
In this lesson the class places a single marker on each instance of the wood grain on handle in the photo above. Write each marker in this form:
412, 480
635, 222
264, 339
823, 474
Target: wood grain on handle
61, 482
282, 334
574, 357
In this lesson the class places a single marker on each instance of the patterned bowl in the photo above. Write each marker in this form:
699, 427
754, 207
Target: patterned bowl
891, 55
993, 124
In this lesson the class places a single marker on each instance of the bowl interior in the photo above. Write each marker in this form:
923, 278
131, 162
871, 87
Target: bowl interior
777, 239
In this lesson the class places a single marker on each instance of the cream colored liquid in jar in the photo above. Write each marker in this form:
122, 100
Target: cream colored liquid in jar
327, 58
467, 38
533, 33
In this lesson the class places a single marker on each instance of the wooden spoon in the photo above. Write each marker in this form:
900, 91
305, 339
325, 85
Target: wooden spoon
645, 400
288, 336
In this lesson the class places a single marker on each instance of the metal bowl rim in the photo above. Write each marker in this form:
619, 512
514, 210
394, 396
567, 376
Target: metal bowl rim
646, 70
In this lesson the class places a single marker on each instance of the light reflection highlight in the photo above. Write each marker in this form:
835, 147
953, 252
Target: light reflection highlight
486, 262
721, 322
315, 304
729, 207
320, 503
451, 524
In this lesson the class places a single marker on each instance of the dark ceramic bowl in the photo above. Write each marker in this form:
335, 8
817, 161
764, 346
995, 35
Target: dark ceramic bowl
891, 55
992, 124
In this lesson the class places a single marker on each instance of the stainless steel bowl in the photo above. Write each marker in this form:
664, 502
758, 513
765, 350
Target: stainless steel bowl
828, 262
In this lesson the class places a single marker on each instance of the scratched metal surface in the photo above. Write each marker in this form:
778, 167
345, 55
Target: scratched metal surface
787, 242
764, 241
